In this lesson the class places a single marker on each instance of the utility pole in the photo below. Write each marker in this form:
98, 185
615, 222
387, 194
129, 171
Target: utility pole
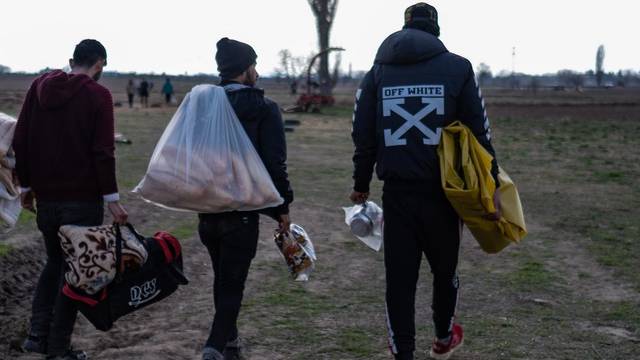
513, 68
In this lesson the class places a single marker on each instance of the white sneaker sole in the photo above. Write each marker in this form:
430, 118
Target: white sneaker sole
446, 355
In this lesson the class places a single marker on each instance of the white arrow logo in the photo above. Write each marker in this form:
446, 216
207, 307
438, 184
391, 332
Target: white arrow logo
393, 105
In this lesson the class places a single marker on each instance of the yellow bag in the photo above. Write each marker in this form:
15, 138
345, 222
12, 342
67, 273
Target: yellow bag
467, 182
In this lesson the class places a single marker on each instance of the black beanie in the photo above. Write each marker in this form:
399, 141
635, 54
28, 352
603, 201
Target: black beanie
422, 16
234, 57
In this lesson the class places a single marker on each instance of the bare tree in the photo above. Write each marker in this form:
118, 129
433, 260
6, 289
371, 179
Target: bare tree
324, 12
291, 67
571, 78
600, 65
483, 73
534, 84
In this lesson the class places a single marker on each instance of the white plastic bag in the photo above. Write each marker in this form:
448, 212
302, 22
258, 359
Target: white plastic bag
7, 128
205, 161
10, 207
298, 251
366, 222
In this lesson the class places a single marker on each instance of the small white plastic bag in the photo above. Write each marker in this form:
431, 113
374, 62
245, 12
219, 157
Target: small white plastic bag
298, 251
205, 162
366, 222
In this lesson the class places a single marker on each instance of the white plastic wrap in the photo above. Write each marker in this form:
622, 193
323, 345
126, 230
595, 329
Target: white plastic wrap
298, 252
366, 222
7, 128
10, 208
205, 162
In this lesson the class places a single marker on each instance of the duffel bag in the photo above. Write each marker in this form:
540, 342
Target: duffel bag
134, 289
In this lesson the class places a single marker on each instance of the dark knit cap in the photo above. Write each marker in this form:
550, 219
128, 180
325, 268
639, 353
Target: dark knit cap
234, 57
422, 16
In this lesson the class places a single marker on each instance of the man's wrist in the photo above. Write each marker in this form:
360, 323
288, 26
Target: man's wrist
111, 197
361, 186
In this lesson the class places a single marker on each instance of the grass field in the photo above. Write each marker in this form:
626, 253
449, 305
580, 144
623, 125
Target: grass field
570, 290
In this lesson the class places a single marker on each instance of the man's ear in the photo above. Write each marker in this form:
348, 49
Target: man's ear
71, 63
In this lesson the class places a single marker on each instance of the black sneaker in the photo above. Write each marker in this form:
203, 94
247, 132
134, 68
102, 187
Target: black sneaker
34, 344
70, 355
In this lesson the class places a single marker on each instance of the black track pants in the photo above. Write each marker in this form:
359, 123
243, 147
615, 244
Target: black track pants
231, 239
417, 223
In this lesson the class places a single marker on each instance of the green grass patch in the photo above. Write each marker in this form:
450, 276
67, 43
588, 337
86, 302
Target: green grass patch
4, 249
339, 110
532, 274
184, 231
356, 342
26, 217
625, 311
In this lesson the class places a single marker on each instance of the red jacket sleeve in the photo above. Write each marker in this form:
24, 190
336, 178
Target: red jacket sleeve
104, 144
21, 139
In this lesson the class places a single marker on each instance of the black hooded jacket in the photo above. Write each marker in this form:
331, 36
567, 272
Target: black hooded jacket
263, 123
415, 88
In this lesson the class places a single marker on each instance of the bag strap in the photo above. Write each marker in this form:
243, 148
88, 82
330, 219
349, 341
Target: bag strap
119, 240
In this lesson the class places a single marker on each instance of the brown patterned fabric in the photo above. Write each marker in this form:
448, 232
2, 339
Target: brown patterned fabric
90, 253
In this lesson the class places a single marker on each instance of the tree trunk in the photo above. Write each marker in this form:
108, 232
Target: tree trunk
323, 73
324, 12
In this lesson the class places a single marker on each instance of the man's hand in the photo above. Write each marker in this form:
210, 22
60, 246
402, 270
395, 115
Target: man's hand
496, 203
358, 197
284, 223
118, 212
26, 199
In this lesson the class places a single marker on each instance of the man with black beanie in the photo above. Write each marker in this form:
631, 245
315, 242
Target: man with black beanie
414, 89
232, 237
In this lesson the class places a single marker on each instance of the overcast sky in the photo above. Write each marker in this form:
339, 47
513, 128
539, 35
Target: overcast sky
179, 36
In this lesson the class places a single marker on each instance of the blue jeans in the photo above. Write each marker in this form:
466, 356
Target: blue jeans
53, 314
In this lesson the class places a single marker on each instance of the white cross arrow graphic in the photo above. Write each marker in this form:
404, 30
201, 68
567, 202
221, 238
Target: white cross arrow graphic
393, 105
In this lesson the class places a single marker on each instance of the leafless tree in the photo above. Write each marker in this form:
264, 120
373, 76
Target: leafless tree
534, 84
324, 12
291, 67
600, 65
571, 78
483, 73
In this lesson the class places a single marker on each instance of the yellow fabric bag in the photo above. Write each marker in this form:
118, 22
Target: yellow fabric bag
467, 182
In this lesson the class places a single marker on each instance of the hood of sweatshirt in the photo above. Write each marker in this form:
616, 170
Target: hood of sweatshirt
56, 88
409, 46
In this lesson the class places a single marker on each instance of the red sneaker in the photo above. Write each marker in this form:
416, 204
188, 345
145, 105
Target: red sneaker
443, 351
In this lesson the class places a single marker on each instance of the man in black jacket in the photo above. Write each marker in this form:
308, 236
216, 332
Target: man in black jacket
232, 238
415, 88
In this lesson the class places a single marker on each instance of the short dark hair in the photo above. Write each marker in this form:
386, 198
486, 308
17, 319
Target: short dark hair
88, 52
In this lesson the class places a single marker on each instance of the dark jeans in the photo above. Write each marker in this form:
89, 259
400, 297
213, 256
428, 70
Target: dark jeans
53, 314
417, 223
130, 97
231, 239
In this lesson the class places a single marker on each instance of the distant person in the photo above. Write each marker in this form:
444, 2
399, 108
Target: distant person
293, 87
167, 90
131, 92
143, 92
64, 146
415, 88
232, 237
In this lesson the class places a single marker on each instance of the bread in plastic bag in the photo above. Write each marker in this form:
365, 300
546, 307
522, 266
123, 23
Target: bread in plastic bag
205, 162
366, 221
298, 251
